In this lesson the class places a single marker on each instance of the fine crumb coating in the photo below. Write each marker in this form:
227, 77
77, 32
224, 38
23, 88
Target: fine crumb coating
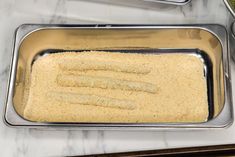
86, 65
104, 83
85, 99
112, 87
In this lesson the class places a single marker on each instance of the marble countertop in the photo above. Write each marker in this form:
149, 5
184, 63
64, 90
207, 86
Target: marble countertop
33, 142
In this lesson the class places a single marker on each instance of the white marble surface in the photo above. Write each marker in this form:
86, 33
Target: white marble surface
32, 142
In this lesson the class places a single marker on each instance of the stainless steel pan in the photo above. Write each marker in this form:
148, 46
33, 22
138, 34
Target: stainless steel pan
209, 40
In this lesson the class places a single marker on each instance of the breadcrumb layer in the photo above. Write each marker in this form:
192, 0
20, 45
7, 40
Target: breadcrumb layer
117, 88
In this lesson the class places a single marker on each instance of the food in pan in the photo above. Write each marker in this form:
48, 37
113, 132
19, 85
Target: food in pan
104, 83
112, 87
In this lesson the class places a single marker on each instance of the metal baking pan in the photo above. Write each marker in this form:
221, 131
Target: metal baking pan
232, 41
177, 2
208, 42
230, 6
151, 4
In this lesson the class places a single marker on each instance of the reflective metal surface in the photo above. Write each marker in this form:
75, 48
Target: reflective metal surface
230, 6
177, 2
153, 4
232, 41
33, 39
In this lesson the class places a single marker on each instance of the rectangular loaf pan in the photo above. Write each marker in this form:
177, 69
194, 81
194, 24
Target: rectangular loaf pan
207, 41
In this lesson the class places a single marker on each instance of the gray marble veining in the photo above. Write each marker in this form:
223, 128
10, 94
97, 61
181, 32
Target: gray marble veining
33, 142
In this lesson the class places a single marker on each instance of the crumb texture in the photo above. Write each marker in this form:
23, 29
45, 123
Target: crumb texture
113, 87
104, 83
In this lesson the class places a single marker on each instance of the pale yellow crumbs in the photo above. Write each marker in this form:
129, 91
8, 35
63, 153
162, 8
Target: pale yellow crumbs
115, 87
